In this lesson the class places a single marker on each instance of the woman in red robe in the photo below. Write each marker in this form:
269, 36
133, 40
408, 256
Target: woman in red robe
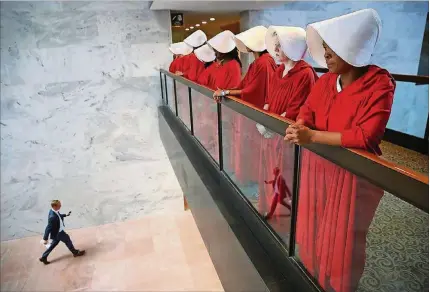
290, 85
253, 89
224, 73
194, 66
180, 51
349, 107
204, 109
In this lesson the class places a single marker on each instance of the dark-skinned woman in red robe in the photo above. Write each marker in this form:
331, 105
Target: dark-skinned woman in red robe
225, 72
349, 107
254, 90
290, 85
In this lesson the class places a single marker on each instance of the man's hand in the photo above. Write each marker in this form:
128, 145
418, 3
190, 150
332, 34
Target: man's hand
70, 212
44, 241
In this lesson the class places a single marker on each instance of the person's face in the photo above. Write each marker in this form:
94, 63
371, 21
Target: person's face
334, 63
57, 207
279, 53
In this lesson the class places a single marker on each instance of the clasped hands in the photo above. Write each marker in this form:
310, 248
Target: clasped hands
299, 134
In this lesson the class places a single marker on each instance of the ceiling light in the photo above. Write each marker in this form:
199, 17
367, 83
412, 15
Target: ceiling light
212, 19
191, 27
187, 29
204, 22
197, 25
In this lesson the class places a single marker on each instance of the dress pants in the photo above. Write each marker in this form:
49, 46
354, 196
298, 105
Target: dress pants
64, 237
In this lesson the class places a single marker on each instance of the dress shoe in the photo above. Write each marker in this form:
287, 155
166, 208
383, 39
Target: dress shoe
79, 253
45, 261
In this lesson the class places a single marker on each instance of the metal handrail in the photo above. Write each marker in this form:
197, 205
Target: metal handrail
417, 79
400, 181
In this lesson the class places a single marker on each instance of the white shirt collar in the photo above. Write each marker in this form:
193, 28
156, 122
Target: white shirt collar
338, 86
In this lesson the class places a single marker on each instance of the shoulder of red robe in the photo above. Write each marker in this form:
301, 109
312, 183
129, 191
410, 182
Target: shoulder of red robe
379, 79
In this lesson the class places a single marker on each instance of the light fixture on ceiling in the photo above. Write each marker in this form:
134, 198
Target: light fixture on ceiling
204, 22
191, 27
212, 19
187, 29
197, 25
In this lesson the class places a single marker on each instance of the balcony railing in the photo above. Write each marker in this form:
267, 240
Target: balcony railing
388, 220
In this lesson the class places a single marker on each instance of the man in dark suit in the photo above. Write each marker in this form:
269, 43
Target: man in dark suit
56, 229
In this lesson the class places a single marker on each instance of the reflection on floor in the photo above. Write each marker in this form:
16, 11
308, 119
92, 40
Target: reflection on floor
405, 157
156, 253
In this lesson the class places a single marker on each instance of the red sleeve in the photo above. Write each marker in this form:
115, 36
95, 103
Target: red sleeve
369, 130
307, 110
301, 92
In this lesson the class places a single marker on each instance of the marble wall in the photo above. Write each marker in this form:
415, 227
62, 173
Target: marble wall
79, 97
398, 49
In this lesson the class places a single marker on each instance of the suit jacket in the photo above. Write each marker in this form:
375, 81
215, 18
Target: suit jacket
282, 186
53, 225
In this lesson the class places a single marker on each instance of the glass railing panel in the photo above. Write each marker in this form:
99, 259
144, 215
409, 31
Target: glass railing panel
354, 236
170, 94
410, 109
205, 120
261, 165
183, 104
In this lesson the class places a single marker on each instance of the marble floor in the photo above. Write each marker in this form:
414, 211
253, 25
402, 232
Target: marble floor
155, 253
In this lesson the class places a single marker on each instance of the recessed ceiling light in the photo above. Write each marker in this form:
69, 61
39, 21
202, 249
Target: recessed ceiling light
204, 22
187, 29
191, 27
197, 25
212, 19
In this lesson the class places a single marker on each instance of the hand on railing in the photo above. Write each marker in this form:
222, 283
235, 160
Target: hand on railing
179, 73
219, 94
298, 133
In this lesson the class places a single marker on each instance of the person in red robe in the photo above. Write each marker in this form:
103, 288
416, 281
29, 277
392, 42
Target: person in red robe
253, 89
290, 85
204, 109
180, 51
193, 67
349, 107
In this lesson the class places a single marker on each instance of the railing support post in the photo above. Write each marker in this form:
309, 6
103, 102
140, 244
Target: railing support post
220, 152
176, 98
165, 89
294, 201
191, 111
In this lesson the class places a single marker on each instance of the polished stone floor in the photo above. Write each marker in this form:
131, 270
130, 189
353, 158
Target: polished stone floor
155, 253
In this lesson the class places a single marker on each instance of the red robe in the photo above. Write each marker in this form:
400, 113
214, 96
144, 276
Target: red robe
286, 94
204, 76
195, 68
176, 65
246, 140
185, 64
335, 207
225, 76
